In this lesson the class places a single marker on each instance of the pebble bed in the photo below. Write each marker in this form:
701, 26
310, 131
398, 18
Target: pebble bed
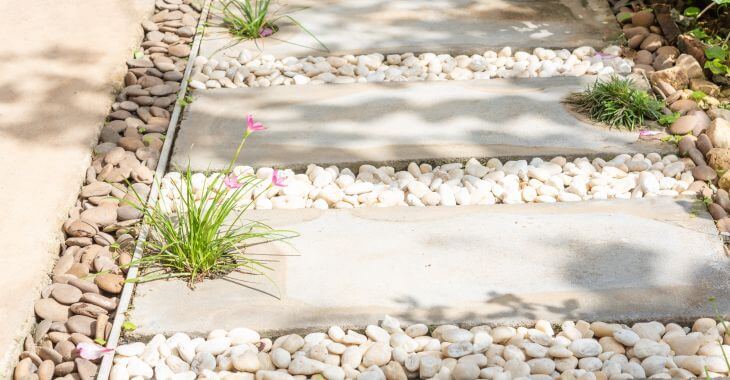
675, 74
247, 69
80, 303
577, 350
557, 180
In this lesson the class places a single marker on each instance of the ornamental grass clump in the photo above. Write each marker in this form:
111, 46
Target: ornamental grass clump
201, 233
616, 103
253, 19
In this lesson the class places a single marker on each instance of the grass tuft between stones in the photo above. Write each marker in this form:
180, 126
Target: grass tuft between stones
616, 102
253, 19
203, 233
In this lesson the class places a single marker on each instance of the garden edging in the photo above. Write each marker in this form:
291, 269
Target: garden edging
165, 154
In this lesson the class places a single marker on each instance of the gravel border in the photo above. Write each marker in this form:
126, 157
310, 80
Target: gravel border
392, 350
483, 182
249, 69
128, 290
99, 233
675, 73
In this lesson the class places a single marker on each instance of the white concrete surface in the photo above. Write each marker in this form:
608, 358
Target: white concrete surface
628, 260
419, 26
362, 123
60, 62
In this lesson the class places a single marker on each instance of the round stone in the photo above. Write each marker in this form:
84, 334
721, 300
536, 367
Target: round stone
181, 50
66, 294
582, 348
103, 215
50, 309
246, 362
378, 354
683, 106
683, 125
643, 18
719, 158
112, 283
685, 144
717, 211
703, 143
626, 337
81, 324
81, 228
704, 173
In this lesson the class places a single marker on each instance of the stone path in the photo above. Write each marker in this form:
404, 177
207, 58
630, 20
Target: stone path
617, 260
462, 26
57, 74
630, 260
395, 123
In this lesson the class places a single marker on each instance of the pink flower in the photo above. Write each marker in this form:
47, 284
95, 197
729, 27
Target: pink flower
253, 126
278, 179
645, 132
91, 351
265, 32
231, 182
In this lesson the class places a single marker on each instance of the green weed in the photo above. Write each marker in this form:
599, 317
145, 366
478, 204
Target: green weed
253, 19
617, 103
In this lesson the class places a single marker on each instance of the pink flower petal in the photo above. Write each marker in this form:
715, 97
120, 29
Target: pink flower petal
231, 182
92, 351
265, 32
252, 126
645, 132
278, 179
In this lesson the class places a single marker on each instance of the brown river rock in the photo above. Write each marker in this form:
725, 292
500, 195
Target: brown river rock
51, 310
109, 282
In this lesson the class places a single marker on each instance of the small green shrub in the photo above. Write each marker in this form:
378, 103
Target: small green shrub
717, 50
616, 103
252, 19
672, 139
697, 96
201, 233
666, 120
718, 58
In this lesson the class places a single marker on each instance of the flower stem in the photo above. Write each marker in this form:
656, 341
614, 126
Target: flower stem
238, 153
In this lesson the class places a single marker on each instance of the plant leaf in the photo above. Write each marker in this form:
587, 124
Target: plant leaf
624, 16
697, 95
716, 52
698, 33
717, 67
692, 11
668, 119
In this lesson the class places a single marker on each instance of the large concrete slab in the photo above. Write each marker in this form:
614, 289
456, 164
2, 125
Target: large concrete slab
610, 260
391, 122
439, 26
60, 62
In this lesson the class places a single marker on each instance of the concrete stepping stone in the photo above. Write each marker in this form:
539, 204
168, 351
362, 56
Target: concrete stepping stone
419, 26
599, 260
392, 122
